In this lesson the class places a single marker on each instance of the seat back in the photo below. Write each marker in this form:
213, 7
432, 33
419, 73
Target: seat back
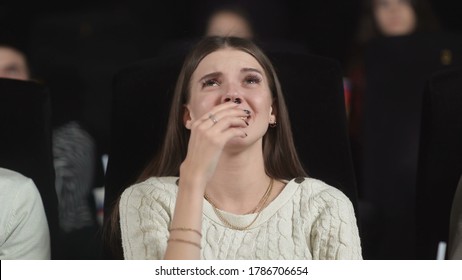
440, 159
25, 144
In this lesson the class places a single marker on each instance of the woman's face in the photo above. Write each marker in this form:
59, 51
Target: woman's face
394, 17
230, 75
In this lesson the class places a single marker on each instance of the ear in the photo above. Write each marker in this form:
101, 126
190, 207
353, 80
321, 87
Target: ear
187, 117
273, 114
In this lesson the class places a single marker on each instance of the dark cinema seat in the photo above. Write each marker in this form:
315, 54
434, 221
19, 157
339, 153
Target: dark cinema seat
440, 159
25, 143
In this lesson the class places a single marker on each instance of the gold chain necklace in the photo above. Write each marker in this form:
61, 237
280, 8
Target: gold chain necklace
263, 200
259, 207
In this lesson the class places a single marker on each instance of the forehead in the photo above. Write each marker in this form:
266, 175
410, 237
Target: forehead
376, 2
227, 16
226, 60
8, 55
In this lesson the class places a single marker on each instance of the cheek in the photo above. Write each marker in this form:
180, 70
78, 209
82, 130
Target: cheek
409, 18
198, 107
261, 104
381, 18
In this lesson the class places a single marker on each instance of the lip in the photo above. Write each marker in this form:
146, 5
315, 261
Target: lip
248, 115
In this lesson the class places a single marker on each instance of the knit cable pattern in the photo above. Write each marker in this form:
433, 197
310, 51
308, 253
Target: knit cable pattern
310, 220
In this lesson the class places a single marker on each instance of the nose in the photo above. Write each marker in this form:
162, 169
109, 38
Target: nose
232, 95
237, 100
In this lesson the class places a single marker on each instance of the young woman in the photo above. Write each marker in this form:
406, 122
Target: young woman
228, 183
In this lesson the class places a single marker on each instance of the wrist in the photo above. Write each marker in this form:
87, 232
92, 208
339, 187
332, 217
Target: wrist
191, 190
192, 181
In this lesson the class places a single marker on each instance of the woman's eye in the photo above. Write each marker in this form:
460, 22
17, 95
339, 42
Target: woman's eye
252, 80
12, 70
210, 83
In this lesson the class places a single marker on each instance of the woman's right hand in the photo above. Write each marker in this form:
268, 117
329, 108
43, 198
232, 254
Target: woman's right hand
209, 135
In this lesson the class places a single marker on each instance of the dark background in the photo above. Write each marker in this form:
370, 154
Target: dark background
327, 27
76, 47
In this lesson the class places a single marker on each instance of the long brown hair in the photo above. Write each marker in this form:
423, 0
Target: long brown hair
280, 156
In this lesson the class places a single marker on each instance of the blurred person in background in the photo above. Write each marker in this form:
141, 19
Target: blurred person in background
13, 63
383, 18
395, 17
225, 20
75, 164
235, 20
396, 51
380, 18
229, 21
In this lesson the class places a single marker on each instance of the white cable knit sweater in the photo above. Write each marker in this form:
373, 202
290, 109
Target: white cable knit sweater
308, 220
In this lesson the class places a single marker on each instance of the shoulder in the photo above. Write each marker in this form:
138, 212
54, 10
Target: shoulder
72, 134
154, 188
318, 188
333, 228
321, 194
13, 183
23, 222
72, 128
8, 176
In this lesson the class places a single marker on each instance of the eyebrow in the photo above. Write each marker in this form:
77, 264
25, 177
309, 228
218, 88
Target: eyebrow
12, 66
243, 70
214, 74
251, 70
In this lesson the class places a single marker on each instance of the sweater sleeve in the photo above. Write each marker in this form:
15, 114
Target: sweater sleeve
144, 220
26, 230
334, 233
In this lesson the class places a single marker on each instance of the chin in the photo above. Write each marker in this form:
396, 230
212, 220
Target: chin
236, 142
236, 145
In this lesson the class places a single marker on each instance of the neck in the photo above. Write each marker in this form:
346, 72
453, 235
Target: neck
239, 181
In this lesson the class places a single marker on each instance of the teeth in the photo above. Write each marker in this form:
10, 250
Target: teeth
248, 115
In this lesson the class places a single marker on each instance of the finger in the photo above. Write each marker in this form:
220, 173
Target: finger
229, 122
213, 119
218, 131
232, 133
219, 108
209, 118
